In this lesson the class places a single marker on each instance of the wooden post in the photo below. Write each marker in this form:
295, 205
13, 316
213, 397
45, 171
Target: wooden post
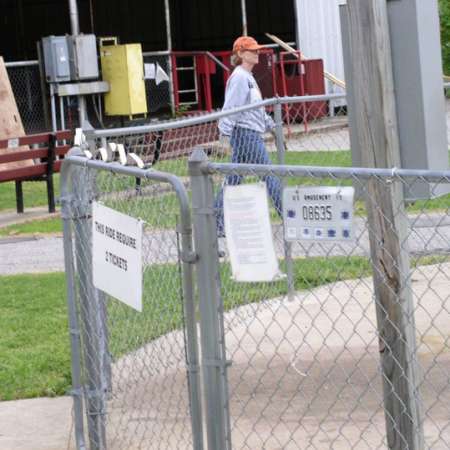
377, 134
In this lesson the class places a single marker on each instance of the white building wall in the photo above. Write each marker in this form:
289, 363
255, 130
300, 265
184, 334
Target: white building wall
319, 32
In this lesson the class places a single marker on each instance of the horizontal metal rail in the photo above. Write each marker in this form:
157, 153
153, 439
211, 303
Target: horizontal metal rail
203, 118
160, 53
33, 62
335, 172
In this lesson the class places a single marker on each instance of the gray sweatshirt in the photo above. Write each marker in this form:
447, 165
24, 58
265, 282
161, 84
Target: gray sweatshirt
241, 90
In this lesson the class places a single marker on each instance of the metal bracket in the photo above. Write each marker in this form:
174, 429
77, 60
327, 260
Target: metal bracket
217, 363
189, 257
76, 392
204, 211
193, 368
66, 206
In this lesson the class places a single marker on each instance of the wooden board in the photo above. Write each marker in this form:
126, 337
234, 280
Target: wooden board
10, 122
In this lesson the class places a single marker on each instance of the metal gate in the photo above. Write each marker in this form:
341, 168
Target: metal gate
131, 371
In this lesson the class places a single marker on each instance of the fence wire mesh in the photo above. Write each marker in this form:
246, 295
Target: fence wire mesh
312, 133
305, 352
26, 85
316, 127
308, 367
158, 94
134, 364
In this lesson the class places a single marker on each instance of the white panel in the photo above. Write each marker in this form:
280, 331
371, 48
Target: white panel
320, 35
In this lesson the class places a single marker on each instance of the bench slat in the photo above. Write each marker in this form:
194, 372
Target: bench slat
23, 155
23, 172
41, 138
61, 150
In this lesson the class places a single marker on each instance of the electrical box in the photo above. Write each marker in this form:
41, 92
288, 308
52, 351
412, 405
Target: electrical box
123, 68
83, 57
56, 59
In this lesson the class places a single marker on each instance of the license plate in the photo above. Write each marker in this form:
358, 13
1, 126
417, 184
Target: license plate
318, 213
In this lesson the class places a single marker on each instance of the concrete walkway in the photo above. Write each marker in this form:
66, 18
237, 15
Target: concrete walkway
36, 424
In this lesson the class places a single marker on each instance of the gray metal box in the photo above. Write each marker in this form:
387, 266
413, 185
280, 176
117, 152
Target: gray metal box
83, 57
56, 59
419, 94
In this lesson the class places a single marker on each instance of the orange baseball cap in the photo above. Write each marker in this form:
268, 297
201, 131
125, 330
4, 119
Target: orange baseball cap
245, 43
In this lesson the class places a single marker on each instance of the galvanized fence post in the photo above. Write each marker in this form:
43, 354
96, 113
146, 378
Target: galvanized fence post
188, 258
74, 328
92, 310
280, 144
211, 327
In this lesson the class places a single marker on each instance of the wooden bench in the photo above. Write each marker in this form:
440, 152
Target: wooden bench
44, 157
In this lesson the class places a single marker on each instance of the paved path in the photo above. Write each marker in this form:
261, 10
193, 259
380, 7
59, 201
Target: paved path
36, 424
11, 217
429, 234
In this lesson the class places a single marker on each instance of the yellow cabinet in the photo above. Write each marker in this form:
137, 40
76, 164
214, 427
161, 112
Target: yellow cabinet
122, 67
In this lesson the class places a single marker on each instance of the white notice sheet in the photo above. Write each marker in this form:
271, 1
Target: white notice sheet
117, 254
249, 233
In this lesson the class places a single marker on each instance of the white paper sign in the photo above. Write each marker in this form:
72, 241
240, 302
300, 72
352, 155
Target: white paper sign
249, 234
318, 213
117, 255
160, 75
149, 71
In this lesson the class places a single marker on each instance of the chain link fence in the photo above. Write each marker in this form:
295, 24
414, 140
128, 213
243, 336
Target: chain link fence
27, 88
159, 97
322, 359
308, 131
315, 125
311, 130
348, 350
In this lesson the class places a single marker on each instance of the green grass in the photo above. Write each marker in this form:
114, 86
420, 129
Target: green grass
340, 158
34, 342
45, 226
444, 9
34, 193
